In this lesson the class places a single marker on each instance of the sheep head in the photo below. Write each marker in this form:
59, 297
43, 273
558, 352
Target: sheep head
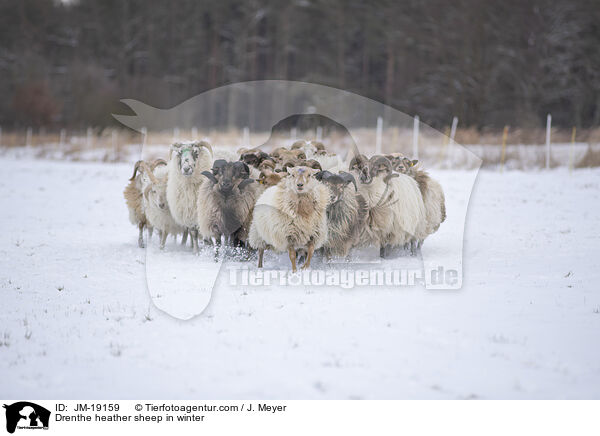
136, 168
381, 165
228, 176
396, 161
254, 158
336, 183
301, 180
187, 155
360, 165
409, 166
270, 178
156, 192
267, 164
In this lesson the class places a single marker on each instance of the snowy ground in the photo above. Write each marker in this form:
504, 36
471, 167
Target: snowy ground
77, 321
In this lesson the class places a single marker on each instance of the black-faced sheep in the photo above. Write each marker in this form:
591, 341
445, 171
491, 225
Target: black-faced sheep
346, 213
225, 202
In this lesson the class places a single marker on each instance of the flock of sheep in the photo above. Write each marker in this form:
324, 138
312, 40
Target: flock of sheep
294, 200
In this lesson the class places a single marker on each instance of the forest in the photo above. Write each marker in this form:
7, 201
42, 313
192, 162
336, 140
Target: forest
490, 63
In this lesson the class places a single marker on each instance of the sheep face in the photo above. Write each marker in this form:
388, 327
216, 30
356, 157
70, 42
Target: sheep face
360, 165
156, 193
186, 156
336, 183
396, 159
301, 180
227, 176
380, 166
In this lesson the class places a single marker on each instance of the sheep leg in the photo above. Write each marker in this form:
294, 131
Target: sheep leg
150, 230
311, 250
184, 237
292, 254
194, 235
163, 238
382, 251
413, 247
216, 244
261, 252
141, 236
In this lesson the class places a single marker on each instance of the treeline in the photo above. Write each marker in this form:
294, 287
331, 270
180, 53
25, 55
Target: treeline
490, 63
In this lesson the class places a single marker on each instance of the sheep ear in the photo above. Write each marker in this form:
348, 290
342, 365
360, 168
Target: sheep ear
414, 162
245, 183
210, 176
319, 175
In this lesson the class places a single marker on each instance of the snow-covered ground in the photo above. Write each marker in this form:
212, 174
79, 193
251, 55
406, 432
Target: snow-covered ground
77, 321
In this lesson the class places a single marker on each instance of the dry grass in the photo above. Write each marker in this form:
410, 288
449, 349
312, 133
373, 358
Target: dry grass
524, 146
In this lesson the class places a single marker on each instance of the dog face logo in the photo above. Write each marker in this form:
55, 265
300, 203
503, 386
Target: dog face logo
26, 415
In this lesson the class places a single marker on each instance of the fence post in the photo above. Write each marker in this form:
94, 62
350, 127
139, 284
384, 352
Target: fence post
451, 140
28, 137
378, 135
61, 141
548, 127
0, 136
113, 139
176, 134
246, 137
502, 156
194, 133
144, 133
293, 133
88, 140
416, 137
572, 151
319, 133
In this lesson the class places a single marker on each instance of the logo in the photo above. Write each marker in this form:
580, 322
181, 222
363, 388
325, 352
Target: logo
26, 415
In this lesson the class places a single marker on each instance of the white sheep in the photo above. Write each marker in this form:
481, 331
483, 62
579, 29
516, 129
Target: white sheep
156, 206
290, 216
396, 209
185, 167
133, 194
432, 193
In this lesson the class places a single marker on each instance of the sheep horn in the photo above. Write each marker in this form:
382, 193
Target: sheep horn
298, 144
314, 164
136, 168
389, 177
300, 154
205, 145
148, 171
146, 191
158, 162
318, 145
210, 176
378, 160
245, 183
347, 177
323, 175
